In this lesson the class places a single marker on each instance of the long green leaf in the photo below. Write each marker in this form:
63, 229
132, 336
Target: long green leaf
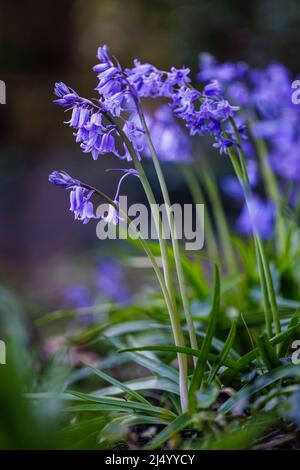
285, 344
267, 352
206, 345
119, 384
259, 384
177, 425
122, 403
185, 350
221, 360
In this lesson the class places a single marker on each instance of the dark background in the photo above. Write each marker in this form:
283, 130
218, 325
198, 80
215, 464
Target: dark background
41, 248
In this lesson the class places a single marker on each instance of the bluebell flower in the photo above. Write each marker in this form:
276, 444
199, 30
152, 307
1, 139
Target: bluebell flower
80, 203
170, 140
212, 89
66, 96
259, 215
179, 76
111, 281
223, 144
224, 73
61, 178
232, 186
145, 79
78, 296
113, 215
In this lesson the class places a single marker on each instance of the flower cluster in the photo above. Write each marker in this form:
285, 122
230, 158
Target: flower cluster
205, 112
265, 97
97, 123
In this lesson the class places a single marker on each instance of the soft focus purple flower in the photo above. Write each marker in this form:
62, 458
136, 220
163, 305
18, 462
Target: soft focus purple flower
110, 280
226, 72
212, 89
170, 140
265, 97
259, 215
223, 145
78, 296
232, 186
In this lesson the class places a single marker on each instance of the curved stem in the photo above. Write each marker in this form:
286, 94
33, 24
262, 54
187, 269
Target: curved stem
180, 274
198, 198
173, 313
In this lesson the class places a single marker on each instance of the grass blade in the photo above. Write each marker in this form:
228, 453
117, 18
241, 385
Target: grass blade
267, 353
206, 345
224, 353
185, 350
177, 425
119, 384
259, 384
136, 406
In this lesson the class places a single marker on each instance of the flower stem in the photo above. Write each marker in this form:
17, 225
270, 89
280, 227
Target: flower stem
180, 274
175, 321
263, 265
174, 317
198, 198
221, 222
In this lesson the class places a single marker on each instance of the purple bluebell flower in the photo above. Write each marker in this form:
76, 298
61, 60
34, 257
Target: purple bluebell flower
178, 76
223, 145
111, 281
80, 196
78, 296
66, 96
61, 178
232, 186
145, 79
259, 215
170, 140
113, 216
224, 73
212, 89
81, 205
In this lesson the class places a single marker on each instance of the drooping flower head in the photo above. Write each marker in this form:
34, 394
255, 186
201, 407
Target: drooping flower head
80, 203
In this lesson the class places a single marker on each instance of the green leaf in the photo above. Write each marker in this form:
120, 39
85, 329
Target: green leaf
259, 384
267, 352
119, 384
122, 404
147, 383
154, 365
207, 396
221, 360
206, 345
176, 426
285, 343
185, 350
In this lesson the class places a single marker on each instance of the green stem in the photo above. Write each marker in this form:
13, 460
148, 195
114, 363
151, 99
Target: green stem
174, 317
198, 198
273, 192
263, 265
175, 321
221, 222
180, 274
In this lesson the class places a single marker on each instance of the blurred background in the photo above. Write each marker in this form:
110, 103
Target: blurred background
41, 246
